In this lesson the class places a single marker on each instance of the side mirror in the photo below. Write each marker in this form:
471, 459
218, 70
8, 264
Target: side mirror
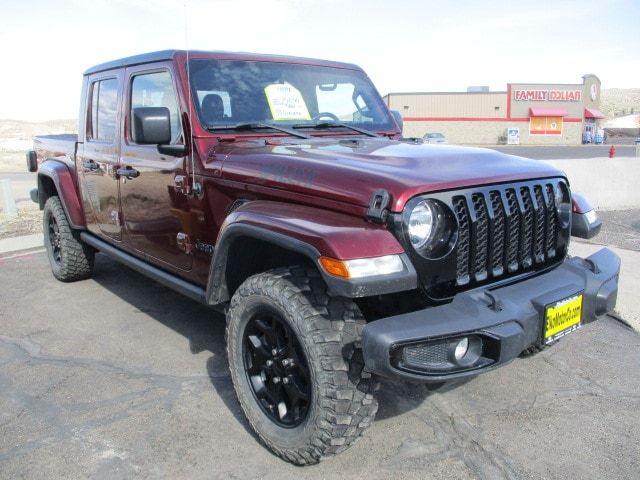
32, 161
584, 220
151, 126
398, 118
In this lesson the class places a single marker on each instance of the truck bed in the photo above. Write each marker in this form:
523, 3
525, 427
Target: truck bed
62, 147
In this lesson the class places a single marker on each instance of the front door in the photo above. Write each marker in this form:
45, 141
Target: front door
589, 132
154, 211
98, 156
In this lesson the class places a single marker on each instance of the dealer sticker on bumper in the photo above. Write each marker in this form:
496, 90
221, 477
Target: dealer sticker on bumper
562, 317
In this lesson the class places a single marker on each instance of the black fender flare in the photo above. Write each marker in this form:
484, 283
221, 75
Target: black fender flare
217, 291
66, 187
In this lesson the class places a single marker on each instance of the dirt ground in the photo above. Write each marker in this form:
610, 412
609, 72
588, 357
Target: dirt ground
12, 161
28, 222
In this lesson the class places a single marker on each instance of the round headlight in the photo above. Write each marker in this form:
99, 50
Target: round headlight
430, 227
421, 224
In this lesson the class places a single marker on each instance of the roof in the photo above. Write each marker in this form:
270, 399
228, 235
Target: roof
593, 113
164, 55
133, 60
547, 112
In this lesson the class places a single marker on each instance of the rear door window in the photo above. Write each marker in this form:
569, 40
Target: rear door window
104, 110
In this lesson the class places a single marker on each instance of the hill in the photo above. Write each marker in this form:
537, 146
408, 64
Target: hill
618, 102
17, 135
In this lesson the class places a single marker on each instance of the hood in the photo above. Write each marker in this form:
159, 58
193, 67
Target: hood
350, 170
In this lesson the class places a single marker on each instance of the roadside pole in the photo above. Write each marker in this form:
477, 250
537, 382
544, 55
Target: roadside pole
8, 203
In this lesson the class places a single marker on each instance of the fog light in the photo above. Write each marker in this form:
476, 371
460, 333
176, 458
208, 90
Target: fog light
465, 351
446, 356
461, 349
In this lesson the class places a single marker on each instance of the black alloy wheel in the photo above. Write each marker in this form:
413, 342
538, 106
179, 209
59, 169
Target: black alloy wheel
276, 369
69, 257
55, 240
295, 364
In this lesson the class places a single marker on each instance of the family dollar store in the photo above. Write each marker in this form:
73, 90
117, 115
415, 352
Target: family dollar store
540, 113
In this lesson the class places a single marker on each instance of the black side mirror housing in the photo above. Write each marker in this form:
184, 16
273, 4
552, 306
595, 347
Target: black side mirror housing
584, 220
32, 161
173, 150
151, 126
398, 118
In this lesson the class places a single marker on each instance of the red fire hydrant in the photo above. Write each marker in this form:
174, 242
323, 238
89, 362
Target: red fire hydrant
612, 151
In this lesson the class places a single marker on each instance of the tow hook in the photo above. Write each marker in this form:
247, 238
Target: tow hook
496, 304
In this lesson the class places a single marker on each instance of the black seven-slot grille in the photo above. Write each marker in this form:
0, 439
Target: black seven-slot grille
502, 231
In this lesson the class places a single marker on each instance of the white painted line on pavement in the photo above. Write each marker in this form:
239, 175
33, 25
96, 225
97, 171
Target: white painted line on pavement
24, 254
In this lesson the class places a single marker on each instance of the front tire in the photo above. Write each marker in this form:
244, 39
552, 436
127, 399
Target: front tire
282, 325
70, 258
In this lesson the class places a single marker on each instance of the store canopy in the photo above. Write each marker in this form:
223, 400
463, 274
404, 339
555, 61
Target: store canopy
593, 113
547, 112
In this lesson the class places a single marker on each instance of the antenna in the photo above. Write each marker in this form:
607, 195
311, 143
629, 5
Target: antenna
195, 188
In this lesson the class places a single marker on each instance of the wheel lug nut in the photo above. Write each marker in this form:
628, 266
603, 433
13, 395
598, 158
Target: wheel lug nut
269, 363
274, 352
285, 380
276, 380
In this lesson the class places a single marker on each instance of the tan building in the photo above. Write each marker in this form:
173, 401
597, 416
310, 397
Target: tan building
526, 113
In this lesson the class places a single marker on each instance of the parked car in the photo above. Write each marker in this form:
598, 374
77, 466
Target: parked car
278, 191
434, 138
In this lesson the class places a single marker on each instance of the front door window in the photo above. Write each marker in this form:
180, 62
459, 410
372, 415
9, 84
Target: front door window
156, 90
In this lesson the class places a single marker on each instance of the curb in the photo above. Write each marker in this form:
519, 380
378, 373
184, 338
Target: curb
20, 244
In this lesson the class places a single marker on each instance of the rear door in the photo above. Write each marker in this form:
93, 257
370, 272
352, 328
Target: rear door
98, 157
154, 211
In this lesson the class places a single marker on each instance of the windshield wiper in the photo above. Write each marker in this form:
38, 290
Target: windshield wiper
257, 126
321, 125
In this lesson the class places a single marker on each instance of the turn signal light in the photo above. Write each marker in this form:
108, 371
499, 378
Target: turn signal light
362, 267
334, 267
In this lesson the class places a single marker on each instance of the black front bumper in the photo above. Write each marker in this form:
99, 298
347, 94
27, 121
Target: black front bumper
510, 327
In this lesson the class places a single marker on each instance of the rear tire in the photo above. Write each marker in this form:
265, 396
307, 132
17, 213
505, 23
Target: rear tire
70, 258
322, 333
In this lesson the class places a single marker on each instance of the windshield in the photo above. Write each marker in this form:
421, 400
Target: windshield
230, 92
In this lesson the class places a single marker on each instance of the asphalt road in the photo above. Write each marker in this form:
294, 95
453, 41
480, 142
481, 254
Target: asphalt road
562, 152
118, 377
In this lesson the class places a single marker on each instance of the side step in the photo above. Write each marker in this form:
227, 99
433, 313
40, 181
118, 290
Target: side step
179, 285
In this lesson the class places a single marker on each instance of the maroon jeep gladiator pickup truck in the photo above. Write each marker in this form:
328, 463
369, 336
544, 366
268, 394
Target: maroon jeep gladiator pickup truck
280, 191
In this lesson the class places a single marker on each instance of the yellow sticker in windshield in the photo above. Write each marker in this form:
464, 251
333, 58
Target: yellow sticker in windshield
286, 102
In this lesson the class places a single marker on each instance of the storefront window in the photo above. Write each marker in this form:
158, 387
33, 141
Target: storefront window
545, 126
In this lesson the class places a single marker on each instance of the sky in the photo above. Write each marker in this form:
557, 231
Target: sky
404, 45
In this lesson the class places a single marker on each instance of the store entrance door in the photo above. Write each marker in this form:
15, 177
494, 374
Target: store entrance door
589, 132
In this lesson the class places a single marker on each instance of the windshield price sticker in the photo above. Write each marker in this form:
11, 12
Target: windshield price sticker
286, 102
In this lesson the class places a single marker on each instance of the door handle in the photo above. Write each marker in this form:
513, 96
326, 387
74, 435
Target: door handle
90, 166
128, 172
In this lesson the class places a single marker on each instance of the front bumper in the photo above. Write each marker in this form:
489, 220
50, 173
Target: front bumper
510, 327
